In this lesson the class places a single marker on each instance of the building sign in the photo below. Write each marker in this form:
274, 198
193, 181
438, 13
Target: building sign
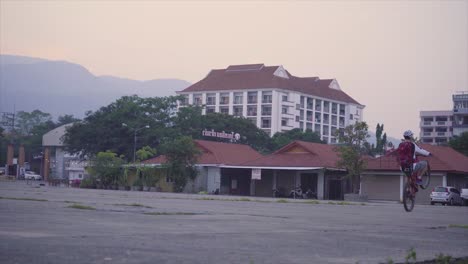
256, 174
211, 133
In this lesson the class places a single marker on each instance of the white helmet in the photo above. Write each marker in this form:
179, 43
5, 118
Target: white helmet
408, 133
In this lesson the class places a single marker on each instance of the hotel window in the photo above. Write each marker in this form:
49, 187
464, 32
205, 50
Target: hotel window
333, 131
301, 114
309, 125
224, 110
310, 103
297, 118
284, 122
301, 125
342, 109
266, 122
326, 118
266, 110
341, 121
325, 130
317, 118
210, 109
224, 99
238, 98
252, 110
267, 97
285, 97
284, 110
253, 120
334, 120
326, 106
237, 110
252, 97
334, 108
302, 101
211, 99
197, 99
318, 105
309, 116
317, 129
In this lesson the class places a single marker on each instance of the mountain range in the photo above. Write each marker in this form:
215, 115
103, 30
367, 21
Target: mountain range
60, 87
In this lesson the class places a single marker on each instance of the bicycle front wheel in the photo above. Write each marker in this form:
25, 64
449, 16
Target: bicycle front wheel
426, 178
408, 198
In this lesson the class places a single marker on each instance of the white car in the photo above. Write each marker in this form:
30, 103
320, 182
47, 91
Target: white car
31, 175
446, 195
464, 196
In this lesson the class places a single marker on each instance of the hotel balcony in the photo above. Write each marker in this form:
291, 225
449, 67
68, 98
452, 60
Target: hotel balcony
435, 124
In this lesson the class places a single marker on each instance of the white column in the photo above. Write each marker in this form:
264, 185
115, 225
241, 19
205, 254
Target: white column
275, 116
244, 104
218, 101
204, 103
320, 184
231, 102
444, 180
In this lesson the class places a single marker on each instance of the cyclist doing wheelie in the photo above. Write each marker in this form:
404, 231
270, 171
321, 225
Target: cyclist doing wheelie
407, 157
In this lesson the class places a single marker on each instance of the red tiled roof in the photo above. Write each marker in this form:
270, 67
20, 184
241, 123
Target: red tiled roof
257, 76
443, 159
217, 153
314, 155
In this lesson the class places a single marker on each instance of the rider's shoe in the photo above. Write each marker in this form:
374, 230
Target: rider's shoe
419, 181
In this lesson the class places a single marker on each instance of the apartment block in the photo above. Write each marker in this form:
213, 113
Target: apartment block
436, 126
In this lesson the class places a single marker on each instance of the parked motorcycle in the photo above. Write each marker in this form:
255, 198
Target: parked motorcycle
296, 193
279, 192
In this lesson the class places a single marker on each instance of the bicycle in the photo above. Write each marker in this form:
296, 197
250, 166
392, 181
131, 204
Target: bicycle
411, 188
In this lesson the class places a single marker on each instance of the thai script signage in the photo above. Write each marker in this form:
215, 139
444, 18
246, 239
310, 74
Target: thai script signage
211, 133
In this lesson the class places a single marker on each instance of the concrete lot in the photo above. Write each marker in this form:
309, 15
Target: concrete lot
183, 228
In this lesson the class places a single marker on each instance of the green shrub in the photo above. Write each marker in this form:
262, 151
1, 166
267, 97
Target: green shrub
88, 182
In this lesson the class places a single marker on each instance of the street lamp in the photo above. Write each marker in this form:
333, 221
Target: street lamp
135, 137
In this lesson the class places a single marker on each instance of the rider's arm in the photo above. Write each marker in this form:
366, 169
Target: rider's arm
421, 151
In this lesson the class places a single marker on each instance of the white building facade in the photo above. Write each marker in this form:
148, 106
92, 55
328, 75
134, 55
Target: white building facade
436, 127
275, 100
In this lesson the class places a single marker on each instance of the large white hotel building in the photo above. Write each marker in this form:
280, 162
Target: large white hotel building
275, 100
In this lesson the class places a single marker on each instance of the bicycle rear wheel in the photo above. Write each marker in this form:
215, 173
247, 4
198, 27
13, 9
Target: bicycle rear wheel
426, 178
408, 198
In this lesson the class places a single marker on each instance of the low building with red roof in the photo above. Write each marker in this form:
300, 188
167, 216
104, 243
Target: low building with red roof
236, 169
275, 100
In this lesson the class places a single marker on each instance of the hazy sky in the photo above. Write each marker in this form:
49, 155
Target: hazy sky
395, 57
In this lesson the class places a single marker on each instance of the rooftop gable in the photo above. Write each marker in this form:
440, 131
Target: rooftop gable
217, 153
300, 154
259, 76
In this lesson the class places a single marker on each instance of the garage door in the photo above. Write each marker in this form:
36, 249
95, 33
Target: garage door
381, 187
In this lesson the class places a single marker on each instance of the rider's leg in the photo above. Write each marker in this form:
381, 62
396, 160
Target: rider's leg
422, 168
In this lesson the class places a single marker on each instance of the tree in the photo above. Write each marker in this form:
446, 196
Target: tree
26, 121
102, 130
353, 140
182, 155
281, 139
190, 122
106, 168
145, 153
381, 140
460, 143
66, 119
